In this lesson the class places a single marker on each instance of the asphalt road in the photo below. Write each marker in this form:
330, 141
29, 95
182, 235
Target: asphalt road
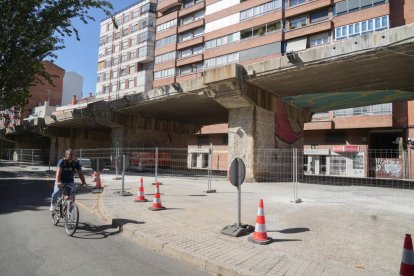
31, 245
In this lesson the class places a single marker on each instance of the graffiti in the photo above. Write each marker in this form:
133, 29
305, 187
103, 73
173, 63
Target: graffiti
283, 129
388, 167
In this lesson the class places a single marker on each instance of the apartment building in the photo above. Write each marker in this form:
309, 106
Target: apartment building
126, 51
195, 35
39, 93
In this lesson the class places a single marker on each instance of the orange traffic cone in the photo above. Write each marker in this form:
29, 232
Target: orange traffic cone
98, 181
156, 204
260, 235
140, 197
407, 260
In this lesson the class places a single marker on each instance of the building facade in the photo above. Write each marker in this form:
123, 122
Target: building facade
41, 92
126, 51
72, 86
194, 35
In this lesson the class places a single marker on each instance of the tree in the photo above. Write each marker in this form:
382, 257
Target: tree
31, 31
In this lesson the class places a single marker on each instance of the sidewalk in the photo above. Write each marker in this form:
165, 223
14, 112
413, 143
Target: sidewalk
310, 238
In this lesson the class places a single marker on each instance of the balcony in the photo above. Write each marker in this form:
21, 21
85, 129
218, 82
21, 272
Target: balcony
308, 29
192, 9
190, 59
165, 5
190, 42
309, 5
192, 25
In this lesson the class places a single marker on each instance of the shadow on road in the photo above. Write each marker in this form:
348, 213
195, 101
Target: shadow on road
91, 231
26, 191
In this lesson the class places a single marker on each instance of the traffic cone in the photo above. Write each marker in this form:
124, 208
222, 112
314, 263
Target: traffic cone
156, 204
260, 235
94, 176
98, 181
407, 260
140, 197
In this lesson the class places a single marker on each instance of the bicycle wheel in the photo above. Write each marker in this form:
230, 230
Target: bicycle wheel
71, 218
55, 217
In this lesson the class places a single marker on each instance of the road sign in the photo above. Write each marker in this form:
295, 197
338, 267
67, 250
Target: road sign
237, 172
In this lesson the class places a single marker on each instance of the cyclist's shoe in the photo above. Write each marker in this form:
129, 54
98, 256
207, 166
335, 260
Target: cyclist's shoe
52, 207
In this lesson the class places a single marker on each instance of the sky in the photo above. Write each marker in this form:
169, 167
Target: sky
82, 56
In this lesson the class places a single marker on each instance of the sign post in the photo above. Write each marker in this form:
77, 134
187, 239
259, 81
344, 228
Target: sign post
237, 173
210, 153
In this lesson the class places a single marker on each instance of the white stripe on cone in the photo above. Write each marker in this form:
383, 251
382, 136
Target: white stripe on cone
408, 257
260, 212
157, 200
260, 228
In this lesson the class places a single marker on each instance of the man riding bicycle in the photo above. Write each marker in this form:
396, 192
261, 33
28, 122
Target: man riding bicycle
64, 176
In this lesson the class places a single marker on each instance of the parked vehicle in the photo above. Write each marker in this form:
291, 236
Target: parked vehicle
146, 160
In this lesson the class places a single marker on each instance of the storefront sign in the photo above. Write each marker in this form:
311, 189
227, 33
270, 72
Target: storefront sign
345, 148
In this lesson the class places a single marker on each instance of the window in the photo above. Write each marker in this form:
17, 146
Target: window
125, 44
117, 35
143, 51
124, 57
122, 85
134, 41
165, 41
348, 6
190, 3
113, 87
126, 18
192, 17
150, 7
221, 5
338, 165
297, 22
165, 57
164, 73
132, 69
134, 28
191, 51
135, 14
132, 55
358, 28
167, 25
99, 77
131, 83
295, 2
116, 48
145, 37
116, 61
260, 10
114, 73
319, 16
123, 71
106, 89
125, 32
192, 33
320, 39
221, 60
222, 40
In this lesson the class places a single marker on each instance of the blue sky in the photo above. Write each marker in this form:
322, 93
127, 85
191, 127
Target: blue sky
82, 56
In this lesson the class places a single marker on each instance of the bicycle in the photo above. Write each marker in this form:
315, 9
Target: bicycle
67, 209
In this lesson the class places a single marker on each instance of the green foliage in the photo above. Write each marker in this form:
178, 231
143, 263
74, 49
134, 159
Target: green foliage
31, 31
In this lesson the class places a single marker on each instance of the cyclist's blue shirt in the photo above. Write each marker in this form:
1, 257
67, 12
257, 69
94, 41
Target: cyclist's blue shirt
68, 170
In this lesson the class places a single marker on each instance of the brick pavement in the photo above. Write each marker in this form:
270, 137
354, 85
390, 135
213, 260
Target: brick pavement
189, 230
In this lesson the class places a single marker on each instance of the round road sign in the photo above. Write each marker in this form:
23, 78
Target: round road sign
237, 172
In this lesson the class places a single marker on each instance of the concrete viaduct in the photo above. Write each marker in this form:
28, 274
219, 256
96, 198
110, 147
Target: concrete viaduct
265, 104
